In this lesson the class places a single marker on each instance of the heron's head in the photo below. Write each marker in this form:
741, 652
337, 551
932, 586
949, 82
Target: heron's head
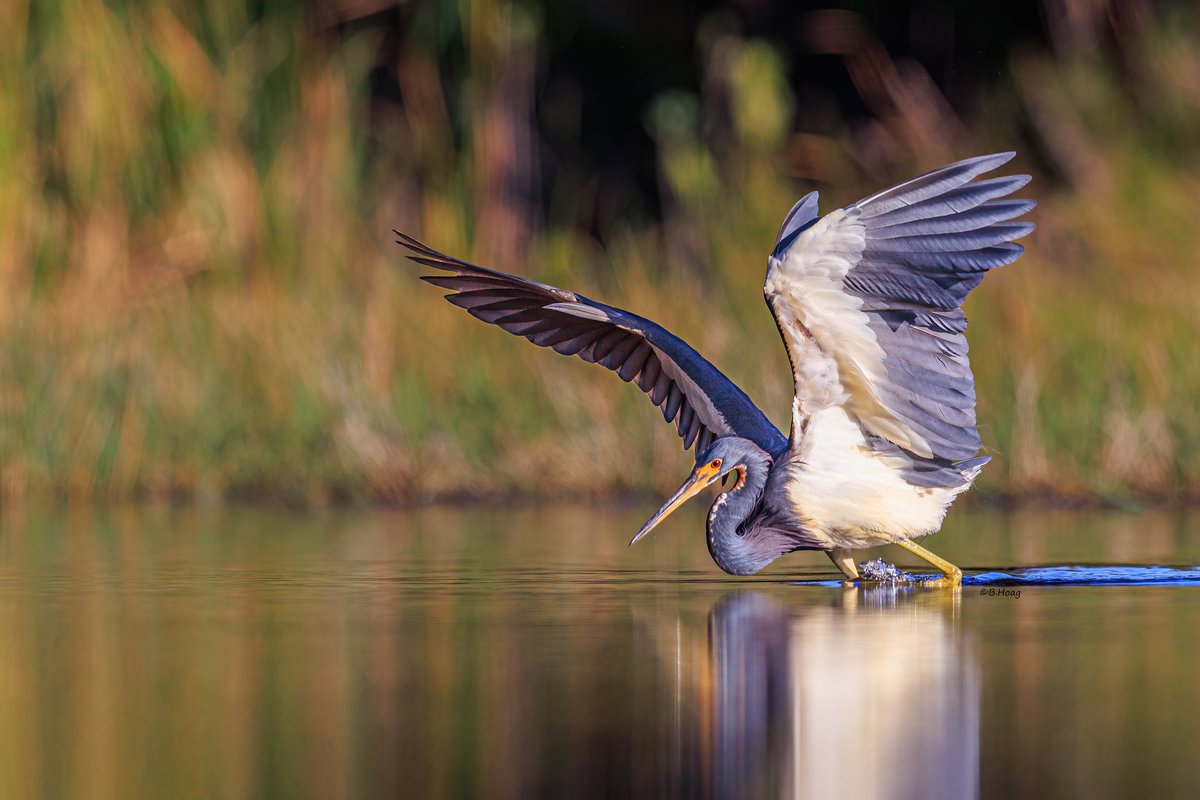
725, 455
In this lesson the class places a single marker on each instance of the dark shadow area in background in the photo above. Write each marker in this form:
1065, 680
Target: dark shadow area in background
605, 63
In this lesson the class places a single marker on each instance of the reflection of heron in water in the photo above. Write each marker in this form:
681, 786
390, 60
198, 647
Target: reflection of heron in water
868, 300
877, 696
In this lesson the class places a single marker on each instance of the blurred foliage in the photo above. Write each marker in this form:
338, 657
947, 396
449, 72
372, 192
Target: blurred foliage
199, 295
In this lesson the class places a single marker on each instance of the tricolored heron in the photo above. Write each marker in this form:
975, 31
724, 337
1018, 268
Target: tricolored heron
868, 300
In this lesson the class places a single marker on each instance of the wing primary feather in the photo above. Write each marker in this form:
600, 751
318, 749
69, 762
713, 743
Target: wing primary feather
662, 389
621, 351
686, 415
674, 400
575, 345
606, 345
931, 184
648, 377
469, 283
634, 362
561, 333
953, 263
954, 202
497, 315
969, 220
979, 238
547, 324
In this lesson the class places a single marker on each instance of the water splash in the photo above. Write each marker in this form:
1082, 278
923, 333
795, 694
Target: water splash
879, 571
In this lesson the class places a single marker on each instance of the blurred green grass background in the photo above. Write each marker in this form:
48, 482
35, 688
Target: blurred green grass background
200, 297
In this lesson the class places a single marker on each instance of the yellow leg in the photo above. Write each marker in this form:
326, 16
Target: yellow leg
951, 575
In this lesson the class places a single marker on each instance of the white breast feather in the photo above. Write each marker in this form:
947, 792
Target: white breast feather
853, 495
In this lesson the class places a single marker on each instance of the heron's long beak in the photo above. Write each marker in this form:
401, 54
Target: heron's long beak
699, 479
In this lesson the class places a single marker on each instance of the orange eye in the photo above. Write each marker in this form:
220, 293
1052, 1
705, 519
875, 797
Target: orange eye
716, 463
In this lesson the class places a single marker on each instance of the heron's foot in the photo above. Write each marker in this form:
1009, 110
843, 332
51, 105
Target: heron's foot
844, 561
879, 572
948, 579
951, 575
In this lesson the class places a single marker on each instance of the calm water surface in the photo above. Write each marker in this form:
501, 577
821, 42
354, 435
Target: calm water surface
165, 653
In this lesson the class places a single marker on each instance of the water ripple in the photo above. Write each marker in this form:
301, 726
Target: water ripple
1107, 575
1068, 575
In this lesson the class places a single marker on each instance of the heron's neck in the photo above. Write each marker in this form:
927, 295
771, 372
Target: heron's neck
730, 518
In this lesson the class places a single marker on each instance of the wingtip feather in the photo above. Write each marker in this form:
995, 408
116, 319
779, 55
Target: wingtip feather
417, 246
992, 160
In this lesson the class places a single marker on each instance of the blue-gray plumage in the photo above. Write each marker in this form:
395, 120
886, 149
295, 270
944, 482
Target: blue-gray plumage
868, 303
798, 220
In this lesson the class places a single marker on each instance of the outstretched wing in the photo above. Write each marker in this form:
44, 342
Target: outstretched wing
691, 392
868, 301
